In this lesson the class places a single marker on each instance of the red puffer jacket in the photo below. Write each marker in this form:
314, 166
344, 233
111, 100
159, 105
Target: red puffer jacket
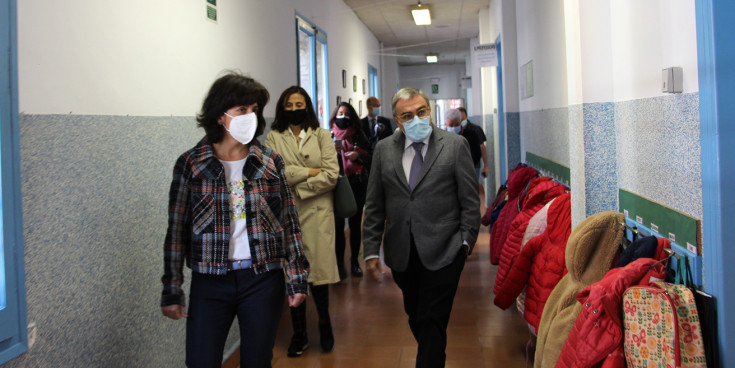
536, 199
597, 334
517, 181
540, 265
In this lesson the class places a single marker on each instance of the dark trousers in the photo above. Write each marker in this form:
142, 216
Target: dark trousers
215, 300
427, 299
359, 189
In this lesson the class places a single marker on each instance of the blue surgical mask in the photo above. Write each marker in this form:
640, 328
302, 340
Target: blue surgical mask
456, 130
463, 123
376, 111
417, 129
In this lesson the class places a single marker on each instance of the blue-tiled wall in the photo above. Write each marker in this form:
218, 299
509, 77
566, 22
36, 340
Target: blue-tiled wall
648, 146
659, 150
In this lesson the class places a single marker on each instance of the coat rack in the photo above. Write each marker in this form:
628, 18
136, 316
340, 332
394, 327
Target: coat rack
649, 218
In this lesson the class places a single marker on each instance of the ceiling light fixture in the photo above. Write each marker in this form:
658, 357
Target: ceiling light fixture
421, 15
432, 58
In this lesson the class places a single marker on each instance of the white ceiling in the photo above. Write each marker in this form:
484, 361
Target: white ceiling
453, 24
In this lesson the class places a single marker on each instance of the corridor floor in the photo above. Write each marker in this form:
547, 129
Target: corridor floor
371, 329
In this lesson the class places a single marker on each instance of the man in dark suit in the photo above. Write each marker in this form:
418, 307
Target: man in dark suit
375, 126
423, 200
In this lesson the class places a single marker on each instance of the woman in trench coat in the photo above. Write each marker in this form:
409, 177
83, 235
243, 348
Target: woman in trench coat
311, 171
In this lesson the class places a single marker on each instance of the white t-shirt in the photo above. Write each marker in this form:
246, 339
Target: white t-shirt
239, 243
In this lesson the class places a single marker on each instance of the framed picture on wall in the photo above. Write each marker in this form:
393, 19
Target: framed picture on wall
354, 83
344, 78
363, 87
360, 104
339, 100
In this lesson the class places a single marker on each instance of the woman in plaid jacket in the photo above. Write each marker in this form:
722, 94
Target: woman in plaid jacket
233, 221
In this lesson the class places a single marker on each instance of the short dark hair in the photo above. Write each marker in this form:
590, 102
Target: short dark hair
354, 119
371, 101
462, 109
280, 124
228, 91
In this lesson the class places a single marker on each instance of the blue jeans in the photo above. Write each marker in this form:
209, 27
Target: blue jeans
215, 300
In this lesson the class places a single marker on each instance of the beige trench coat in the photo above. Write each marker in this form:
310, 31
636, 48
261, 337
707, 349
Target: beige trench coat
313, 196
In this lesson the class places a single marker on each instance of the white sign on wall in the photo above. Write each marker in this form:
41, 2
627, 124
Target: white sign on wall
484, 55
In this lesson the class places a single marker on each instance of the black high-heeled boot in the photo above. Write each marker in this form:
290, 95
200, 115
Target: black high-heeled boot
299, 341
321, 299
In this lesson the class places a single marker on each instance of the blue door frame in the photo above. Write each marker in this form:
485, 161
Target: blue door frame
13, 332
502, 138
716, 53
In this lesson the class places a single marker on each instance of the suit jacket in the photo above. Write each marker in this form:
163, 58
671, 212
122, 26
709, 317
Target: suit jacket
441, 212
387, 130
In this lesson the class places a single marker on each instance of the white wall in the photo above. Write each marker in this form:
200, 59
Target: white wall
648, 36
158, 59
420, 77
351, 46
136, 57
389, 83
540, 26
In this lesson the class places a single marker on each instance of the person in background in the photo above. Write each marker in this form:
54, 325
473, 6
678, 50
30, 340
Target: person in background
354, 153
453, 123
311, 172
233, 221
422, 195
375, 126
480, 151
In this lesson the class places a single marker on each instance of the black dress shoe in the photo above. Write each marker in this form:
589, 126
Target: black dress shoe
299, 343
356, 270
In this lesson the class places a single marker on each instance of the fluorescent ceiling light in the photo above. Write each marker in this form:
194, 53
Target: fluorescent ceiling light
432, 58
421, 15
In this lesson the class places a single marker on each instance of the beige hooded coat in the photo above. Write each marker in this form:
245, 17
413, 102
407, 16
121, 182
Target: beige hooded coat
313, 195
592, 250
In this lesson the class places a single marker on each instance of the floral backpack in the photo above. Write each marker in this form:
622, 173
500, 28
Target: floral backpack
661, 327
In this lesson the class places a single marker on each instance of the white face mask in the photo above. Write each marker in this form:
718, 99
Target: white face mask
243, 127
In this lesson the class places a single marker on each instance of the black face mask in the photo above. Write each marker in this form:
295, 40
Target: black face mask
342, 123
294, 117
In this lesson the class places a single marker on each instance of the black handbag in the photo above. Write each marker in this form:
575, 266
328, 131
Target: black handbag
706, 309
344, 200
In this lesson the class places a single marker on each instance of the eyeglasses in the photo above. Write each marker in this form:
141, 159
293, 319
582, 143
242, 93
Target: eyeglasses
422, 112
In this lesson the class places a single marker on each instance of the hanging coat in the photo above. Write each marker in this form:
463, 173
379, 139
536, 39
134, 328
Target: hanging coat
537, 197
517, 181
592, 250
540, 265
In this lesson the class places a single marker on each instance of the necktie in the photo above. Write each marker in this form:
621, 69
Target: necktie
416, 164
374, 129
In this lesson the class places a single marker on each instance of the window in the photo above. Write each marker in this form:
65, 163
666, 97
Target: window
373, 78
13, 333
313, 76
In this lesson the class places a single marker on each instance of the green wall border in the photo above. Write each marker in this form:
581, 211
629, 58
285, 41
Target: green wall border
669, 223
550, 168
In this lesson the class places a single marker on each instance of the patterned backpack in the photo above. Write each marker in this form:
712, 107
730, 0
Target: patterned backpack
661, 327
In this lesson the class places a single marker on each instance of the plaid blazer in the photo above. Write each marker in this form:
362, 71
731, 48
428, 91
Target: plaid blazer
199, 220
